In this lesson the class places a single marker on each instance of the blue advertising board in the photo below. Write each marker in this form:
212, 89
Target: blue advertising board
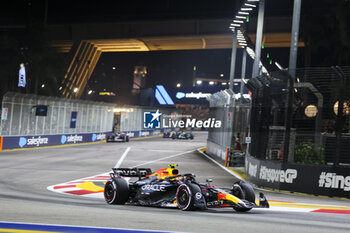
37, 141
166, 95
15, 142
73, 120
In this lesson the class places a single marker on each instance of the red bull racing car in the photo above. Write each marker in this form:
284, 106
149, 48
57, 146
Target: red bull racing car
167, 188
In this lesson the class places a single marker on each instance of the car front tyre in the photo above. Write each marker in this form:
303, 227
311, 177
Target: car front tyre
116, 191
184, 197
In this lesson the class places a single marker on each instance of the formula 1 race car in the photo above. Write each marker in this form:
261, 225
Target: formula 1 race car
167, 188
170, 134
117, 137
183, 135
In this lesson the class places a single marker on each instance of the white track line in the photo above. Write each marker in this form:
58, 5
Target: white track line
223, 167
171, 156
122, 158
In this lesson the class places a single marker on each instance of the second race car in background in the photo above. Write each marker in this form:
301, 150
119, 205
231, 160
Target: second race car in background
117, 137
178, 135
170, 134
183, 135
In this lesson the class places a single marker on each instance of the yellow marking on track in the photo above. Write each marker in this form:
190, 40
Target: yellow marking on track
24, 231
139, 138
90, 186
307, 206
203, 149
243, 175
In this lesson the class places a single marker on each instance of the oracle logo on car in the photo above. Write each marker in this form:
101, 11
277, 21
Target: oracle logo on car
153, 187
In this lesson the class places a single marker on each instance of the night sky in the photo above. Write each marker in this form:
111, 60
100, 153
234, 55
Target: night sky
164, 67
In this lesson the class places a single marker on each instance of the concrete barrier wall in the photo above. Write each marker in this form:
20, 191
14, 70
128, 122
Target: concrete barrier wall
216, 150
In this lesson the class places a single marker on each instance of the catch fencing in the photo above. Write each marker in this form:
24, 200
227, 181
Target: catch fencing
233, 112
19, 116
315, 131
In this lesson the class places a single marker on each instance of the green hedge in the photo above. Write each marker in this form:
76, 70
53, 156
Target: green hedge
305, 152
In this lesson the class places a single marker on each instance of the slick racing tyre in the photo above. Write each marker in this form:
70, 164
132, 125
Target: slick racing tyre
186, 195
127, 138
248, 196
248, 191
116, 191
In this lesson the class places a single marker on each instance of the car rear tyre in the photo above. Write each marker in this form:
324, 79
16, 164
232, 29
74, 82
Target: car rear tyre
127, 139
116, 191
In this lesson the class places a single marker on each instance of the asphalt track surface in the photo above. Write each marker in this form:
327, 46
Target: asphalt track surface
26, 174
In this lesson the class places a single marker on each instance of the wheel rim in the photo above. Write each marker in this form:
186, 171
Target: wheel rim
183, 197
109, 192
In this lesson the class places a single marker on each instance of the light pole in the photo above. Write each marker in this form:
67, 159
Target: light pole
259, 32
294, 39
241, 16
233, 60
291, 78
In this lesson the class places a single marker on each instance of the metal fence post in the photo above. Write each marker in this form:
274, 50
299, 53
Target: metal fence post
20, 118
12, 107
87, 117
51, 114
58, 116
101, 120
288, 118
43, 131
64, 117
340, 115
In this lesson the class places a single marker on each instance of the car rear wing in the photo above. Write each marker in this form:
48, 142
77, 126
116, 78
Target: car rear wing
132, 172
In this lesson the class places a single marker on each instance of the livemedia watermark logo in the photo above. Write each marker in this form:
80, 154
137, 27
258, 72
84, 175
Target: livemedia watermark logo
152, 120
155, 120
